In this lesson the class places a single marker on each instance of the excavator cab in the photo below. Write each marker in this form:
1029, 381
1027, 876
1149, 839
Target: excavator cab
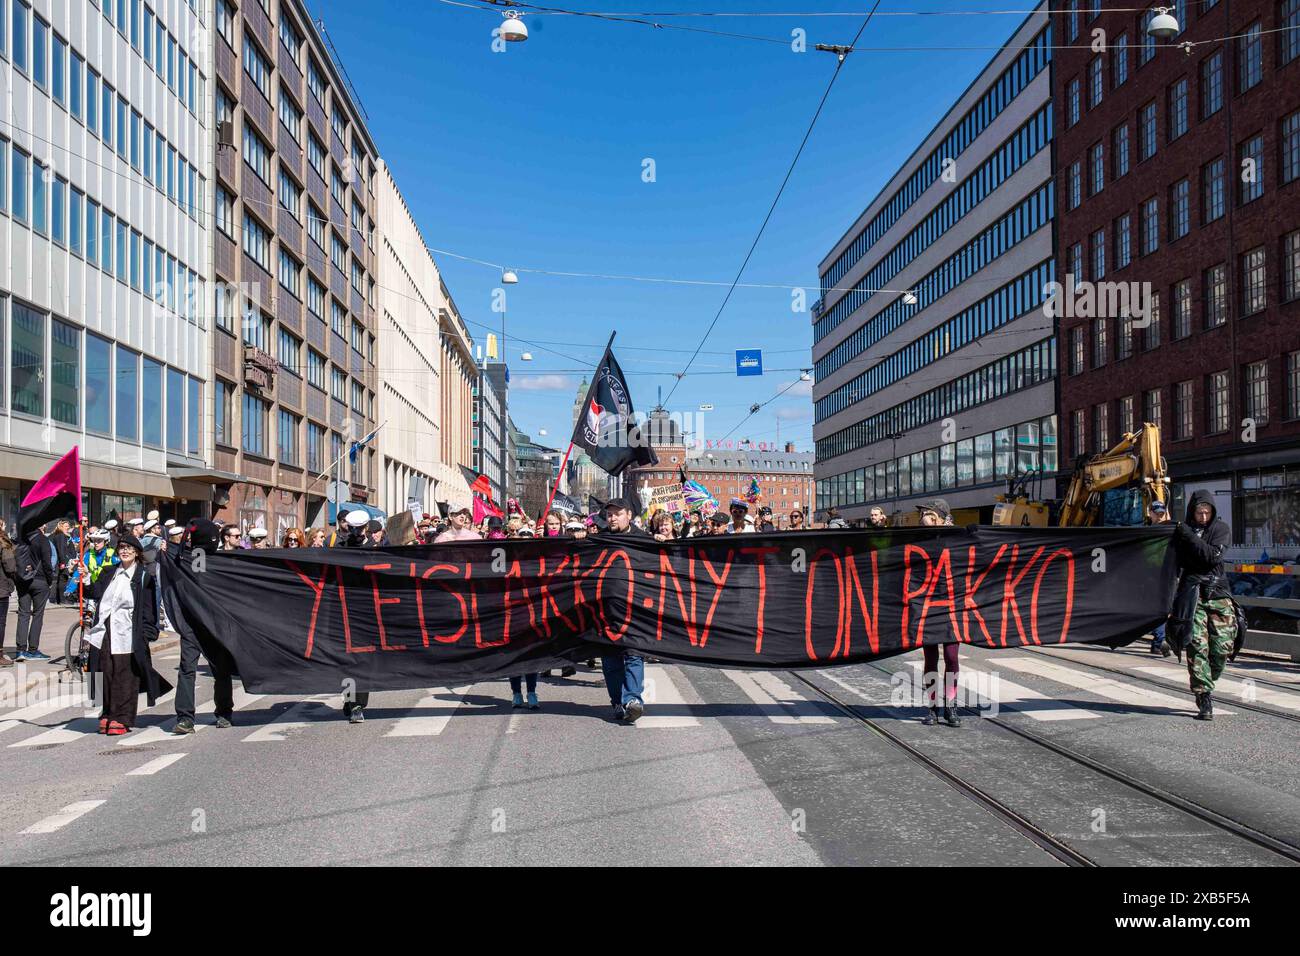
1134, 461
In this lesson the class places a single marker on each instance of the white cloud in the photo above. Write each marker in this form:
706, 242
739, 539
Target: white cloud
800, 390
795, 413
544, 383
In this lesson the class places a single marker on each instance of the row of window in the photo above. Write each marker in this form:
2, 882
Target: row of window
1036, 55
1023, 294
1034, 212
74, 221
1028, 447
1217, 397
1004, 376
1014, 152
64, 374
1253, 284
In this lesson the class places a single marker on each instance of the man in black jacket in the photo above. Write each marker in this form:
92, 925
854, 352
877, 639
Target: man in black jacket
203, 536
36, 572
624, 672
1203, 614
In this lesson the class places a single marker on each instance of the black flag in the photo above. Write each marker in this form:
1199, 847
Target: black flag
606, 428
564, 503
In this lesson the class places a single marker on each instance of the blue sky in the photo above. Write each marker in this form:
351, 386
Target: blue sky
533, 157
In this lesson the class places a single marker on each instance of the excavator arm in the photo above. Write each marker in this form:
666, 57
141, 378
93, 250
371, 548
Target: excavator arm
1135, 458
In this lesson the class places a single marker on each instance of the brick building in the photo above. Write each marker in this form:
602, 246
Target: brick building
294, 267
1179, 170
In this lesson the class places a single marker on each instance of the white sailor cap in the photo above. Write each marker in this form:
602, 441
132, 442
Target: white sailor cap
175, 531
169, 522
153, 515
110, 524
150, 524
356, 518
134, 522
100, 536
257, 534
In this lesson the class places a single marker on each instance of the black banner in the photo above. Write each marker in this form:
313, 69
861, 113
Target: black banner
302, 620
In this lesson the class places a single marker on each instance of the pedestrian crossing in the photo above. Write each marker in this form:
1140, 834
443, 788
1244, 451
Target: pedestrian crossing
1041, 685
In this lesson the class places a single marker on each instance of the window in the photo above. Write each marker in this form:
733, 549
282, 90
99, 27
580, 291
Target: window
1121, 150
290, 194
1123, 241
257, 330
316, 225
1151, 407
286, 434
40, 204
291, 39
1150, 226
221, 410
338, 318
1257, 392
128, 396
1212, 84
20, 180
316, 82
1182, 309
58, 70
1183, 410
226, 22
1252, 169
1119, 60
315, 447
19, 35
316, 369
315, 298
92, 232
225, 212
1146, 132
253, 439
257, 242
1072, 103
151, 395
257, 154
1151, 339
1180, 210
1254, 294
1098, 243
40, 52
290, 116
76, 210
1219, 409
1097, 169
338, 384
1291, 266
288, 351
175, 410
1076, 185
358, 396
290, 274
1124, 342
338, 252
27, 331
1214, 194
1100, 347
1126, 423
1250, 57
1290, 148
316, 154
1293, 385
337, 187
1075, 271
1178, 109
257, 66
1079, 437
338, 123
1095, 82
1076, 350
1101, 427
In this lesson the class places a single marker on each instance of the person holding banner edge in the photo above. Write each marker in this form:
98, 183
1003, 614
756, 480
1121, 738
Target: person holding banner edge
624, 672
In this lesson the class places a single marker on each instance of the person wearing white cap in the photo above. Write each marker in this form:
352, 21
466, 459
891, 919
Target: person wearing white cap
258, 537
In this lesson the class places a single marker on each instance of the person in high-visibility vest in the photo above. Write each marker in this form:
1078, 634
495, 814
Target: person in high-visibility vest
100, 556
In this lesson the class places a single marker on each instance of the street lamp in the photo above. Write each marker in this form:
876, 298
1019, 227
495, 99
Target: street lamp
1163, 25
909, 297
805, 375
508, 277
526, 357
513, 29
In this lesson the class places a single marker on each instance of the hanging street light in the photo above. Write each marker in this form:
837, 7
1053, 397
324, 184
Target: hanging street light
1163, 25
513, 29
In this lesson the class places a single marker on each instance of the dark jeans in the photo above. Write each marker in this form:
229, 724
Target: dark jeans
624, 677
4, 620
32, 598
222, 667
530, 679
950, 668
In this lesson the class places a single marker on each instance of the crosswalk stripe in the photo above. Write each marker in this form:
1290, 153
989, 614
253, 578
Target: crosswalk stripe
1106, 687
63, 817
777, 701
159, 734
662, 692
430, 716
1023, 700
1230, 685
276, 729
153, 766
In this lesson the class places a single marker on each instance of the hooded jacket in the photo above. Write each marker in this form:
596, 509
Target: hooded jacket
1200, 550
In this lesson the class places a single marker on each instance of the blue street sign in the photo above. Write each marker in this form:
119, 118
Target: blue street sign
749, 361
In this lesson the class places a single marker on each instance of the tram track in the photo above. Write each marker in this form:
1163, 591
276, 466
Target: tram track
1049, 842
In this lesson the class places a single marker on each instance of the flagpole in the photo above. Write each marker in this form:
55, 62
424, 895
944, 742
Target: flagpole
340, 458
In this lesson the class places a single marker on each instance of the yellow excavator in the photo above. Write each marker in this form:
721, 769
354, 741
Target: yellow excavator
1134, 460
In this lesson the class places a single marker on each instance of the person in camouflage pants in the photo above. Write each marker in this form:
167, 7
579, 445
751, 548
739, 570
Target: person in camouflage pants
1214, 629
1203, 615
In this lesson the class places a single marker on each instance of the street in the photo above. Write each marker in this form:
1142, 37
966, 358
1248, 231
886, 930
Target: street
725, 768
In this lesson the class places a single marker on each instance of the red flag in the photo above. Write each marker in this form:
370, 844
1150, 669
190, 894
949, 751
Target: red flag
484, 509
479, 484
56, 494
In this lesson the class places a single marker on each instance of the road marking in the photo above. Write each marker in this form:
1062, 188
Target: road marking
1229, 685
662, 692
777, 701
430, 716
1022, 700
515, 718
276, 729
153, 766
159, 734
1106, 687
63, 817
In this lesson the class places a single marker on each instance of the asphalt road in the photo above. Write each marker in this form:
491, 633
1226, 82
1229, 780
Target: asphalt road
726, 768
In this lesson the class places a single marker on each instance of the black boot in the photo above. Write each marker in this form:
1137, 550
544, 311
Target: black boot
950, 715
931, 716
1205, 706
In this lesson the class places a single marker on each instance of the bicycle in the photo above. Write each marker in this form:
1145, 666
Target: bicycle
76, 649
